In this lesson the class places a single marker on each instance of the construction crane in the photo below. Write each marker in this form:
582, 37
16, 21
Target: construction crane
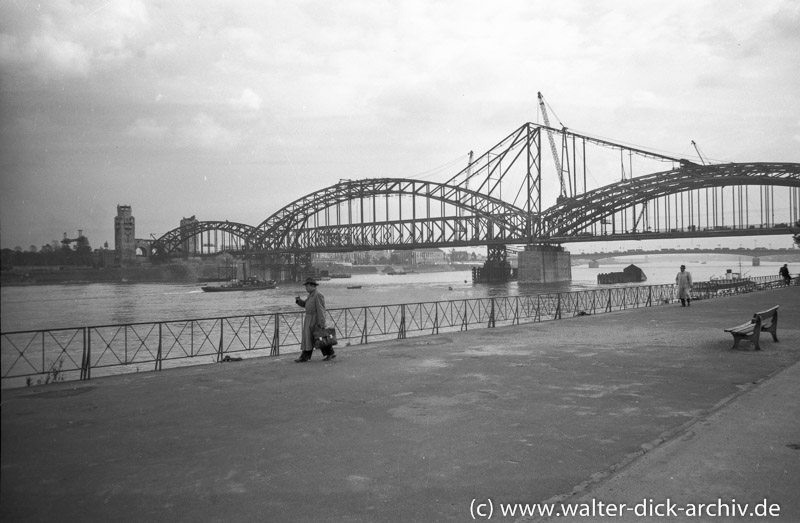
66, 241
80, 241
553, 146
698, 153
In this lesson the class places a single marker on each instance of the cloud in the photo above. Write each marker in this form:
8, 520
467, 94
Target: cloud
203, 132
200, 133
147, 129
248, 100
645, 99
61, 38
317, 91
44, 55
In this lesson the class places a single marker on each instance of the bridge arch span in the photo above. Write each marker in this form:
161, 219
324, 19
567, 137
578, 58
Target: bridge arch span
189, 238
572, 216
389, 213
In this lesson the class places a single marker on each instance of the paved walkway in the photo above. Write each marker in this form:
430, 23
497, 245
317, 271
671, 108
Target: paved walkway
612, 408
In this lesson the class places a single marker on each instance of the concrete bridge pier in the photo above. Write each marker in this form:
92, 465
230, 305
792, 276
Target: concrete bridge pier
544, 263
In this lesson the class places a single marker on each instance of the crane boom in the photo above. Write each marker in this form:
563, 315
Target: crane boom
698, 153
552, 145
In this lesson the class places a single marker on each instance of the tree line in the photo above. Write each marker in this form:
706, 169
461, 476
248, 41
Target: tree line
74, 253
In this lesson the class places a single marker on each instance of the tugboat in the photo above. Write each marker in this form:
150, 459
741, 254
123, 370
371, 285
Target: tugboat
247, 284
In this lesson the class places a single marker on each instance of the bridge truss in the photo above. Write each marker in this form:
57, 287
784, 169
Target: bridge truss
204, 237
712, 200
507, 196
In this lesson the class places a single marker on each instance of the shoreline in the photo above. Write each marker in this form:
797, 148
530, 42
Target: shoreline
177, 273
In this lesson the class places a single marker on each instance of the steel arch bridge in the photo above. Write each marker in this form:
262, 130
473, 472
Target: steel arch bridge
497, 200
441, 215
574, 216
188, 238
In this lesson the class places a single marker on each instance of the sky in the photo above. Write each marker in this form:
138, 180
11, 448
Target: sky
231, 110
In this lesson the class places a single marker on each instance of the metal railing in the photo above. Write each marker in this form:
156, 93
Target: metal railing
41, 356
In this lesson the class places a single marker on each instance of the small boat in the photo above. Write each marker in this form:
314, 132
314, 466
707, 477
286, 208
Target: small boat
354, 286
248, 284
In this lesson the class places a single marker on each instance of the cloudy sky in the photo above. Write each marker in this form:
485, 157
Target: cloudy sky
230, 110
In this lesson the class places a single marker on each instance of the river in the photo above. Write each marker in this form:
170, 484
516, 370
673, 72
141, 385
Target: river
38, 307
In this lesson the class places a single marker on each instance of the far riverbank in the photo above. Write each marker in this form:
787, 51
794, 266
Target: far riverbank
181, 273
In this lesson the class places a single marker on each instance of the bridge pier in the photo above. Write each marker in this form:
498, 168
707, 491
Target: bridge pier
544, 264
496, 268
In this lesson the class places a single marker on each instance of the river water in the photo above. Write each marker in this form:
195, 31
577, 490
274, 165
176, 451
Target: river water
76, 305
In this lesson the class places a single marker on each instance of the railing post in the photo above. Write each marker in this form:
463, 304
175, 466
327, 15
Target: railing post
558, 307
86, 363
364, 338
158, 354
275, 348
219, 350
435, 329
401, 332
491, 316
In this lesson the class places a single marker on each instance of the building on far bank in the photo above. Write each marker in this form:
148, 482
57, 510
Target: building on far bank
103, 257
128, 250
419, 257
428, 257
124, 236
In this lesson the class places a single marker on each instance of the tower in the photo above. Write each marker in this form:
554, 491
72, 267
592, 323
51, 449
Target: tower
124, 236
190, 244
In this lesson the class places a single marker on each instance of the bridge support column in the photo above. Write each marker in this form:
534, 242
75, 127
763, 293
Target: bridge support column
544, 264
496, 269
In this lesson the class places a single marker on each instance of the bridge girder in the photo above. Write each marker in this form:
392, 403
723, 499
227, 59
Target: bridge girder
171, 242
571, 215
482, 218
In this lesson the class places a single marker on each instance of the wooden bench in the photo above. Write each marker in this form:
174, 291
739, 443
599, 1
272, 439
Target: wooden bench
764, 321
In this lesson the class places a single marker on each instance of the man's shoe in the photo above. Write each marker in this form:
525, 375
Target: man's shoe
301, 360
329, 357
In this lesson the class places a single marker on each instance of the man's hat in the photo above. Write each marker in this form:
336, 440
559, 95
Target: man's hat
310, 281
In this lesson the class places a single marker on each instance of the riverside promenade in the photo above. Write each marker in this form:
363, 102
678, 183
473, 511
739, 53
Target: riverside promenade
616, 408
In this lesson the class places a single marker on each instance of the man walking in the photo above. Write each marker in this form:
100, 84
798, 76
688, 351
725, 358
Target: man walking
314, 305
784, 273
684, 282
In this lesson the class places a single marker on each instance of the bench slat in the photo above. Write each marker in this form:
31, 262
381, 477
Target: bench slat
769, 312
743, 327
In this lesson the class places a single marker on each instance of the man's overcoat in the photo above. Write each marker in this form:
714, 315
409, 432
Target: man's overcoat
314, 318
